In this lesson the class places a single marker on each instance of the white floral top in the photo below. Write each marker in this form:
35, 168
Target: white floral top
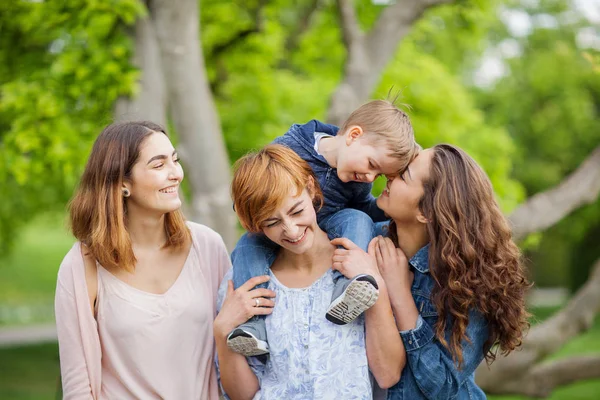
311, 358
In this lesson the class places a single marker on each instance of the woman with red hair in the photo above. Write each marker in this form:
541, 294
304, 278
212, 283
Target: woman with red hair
453, 272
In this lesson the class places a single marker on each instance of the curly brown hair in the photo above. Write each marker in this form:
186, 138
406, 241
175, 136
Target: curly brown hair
473, 260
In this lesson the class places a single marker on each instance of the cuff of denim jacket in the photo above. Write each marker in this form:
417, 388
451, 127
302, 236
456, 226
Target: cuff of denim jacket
416, 338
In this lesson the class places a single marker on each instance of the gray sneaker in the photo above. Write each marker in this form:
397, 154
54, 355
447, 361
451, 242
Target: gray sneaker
351, 298
250, 338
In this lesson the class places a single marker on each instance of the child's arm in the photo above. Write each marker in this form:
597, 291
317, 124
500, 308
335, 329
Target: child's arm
364, 201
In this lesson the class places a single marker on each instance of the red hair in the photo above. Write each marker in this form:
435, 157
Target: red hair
262, 181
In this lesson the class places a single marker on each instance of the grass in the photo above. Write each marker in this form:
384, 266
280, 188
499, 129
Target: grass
588, 343
28, 274
29, 373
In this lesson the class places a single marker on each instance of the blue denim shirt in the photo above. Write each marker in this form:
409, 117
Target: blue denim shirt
430, 372
337, 194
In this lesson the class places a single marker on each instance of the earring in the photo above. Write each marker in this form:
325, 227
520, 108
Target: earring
126, 192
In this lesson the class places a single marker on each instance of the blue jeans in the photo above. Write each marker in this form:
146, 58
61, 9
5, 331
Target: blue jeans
254, 253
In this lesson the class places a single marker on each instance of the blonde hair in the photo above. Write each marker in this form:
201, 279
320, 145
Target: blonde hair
98, 208
262, 180
383, 122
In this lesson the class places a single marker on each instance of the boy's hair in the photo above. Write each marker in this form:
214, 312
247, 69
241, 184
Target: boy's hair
263, 179
381, 121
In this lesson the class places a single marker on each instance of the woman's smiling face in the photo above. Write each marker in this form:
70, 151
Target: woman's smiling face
293, 225
155, 177
402, 194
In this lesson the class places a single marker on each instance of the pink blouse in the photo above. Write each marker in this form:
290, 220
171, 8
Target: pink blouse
139, 344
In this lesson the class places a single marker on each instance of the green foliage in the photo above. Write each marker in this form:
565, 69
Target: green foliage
549, 101
265, 70
274, 72
270, 64
443, 110
62, 66
28, 274
30, 372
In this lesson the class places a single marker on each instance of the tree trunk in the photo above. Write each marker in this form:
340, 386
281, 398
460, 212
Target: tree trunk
522, 372
369, 54
194, 114
547, 208
150, 102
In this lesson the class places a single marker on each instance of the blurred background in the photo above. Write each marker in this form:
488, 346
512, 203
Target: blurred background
516, 83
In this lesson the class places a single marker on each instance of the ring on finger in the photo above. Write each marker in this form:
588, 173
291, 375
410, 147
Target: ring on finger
257, 300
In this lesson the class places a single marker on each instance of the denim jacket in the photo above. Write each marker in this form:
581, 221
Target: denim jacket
337, 194
430, 372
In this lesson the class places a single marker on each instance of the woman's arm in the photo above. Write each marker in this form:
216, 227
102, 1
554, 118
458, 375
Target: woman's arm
70, 323
393, 267
237, 378
436, 374
73, 367
385, 351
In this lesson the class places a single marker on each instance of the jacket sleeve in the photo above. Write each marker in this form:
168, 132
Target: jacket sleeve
436, 374
73, 366
366, 202
223, 260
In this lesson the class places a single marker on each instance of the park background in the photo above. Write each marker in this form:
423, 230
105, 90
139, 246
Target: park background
516, 83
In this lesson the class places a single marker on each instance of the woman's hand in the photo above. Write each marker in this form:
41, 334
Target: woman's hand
352, 260
392, 264
242, 304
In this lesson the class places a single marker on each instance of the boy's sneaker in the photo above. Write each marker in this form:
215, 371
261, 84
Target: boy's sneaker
351, 298
250, 338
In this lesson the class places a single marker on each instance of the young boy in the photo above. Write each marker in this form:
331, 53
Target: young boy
376, 139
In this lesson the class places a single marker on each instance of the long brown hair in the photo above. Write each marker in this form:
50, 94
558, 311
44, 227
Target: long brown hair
98, 209
472, 258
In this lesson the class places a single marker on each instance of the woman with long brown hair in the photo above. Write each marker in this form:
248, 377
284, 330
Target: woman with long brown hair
135, 296
453, 273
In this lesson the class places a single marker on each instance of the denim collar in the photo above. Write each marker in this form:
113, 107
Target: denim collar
420, 261
305, 134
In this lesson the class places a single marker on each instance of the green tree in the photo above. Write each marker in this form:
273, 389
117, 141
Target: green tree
62, 66
549, 100
66, 67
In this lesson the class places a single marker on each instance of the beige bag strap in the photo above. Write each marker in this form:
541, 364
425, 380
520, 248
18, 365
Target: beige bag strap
91, 276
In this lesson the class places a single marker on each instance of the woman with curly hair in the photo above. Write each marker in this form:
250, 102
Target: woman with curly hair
453, 273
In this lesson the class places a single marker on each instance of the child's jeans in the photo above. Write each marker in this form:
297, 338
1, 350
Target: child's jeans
254, 253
